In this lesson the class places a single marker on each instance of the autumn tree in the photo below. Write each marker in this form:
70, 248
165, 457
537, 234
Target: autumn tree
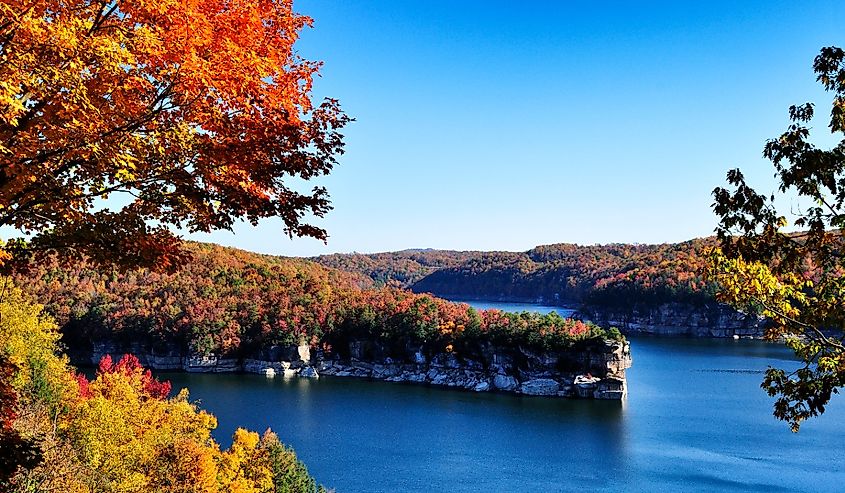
794, 277
121, 121
120, 431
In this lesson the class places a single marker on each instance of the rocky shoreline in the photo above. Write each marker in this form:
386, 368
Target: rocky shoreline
612, 387
592, 371
678, 319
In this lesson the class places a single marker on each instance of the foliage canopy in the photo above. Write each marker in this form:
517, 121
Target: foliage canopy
120, 120
796, 279
118, 432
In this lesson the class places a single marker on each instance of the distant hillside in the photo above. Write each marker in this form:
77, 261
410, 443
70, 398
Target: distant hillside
405, 267
607, 275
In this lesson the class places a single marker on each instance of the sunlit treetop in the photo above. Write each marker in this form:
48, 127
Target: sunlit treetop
123, 120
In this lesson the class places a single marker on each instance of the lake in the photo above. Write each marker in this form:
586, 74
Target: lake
695, 420
518, 307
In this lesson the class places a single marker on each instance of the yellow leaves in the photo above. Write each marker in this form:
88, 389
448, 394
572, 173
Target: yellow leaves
27, 337
125, 164
124, 435
5, 256
111, 434
244, 466
754, 287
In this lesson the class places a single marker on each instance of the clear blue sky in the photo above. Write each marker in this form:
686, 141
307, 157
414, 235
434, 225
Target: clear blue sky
492, 125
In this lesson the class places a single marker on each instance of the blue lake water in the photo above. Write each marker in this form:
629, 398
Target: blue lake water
695, 420
518, 307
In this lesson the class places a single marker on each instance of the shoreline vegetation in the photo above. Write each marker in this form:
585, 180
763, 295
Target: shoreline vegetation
127, 124
231, 303
123, 125
556, 274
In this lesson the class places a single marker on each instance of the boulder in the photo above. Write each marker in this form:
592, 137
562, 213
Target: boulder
199, 364
610, 388
308, 372
415, 377
540, 386
503, 363
304, 353
505, 382
452, 361
482, 386
165, 362
227, 365
566, 391
357, 349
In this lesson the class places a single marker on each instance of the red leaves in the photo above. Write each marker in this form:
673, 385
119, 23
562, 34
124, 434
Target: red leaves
128, 366
579, 328
84, 384
8, 396
231, 303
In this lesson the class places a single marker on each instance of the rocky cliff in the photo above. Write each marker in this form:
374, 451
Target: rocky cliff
593, 369
589, 369
677, 319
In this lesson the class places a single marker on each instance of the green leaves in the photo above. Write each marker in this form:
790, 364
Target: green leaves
796, 279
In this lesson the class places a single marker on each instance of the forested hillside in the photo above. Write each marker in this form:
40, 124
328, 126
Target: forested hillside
232, 303
598, 275
404, 267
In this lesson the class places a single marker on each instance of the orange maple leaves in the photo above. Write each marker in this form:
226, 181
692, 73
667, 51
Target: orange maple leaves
195, 113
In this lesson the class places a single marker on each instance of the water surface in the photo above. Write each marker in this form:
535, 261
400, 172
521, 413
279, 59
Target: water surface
695, 420
518, 307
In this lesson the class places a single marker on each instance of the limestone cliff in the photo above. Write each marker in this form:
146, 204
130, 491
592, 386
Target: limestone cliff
677, 319
588, 369
591, 369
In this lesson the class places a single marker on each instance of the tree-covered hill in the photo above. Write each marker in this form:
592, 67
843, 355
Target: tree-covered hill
404, 267
606, 275
233, 303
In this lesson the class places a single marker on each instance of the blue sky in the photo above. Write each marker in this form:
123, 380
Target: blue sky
488, 125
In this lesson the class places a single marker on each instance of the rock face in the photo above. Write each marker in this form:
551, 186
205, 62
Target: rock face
678, 319
505, 382
589, 369
540, 386
516, 370
286, 361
